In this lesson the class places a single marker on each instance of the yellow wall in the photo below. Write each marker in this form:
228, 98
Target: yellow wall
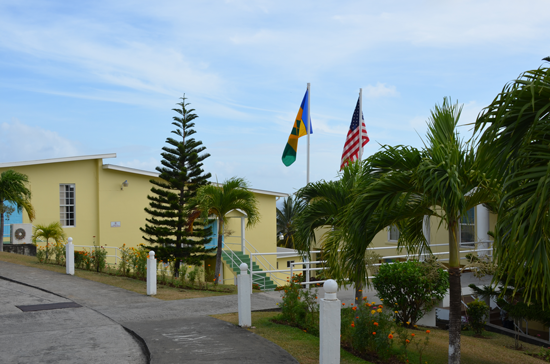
438, 235
100, 200
282, 277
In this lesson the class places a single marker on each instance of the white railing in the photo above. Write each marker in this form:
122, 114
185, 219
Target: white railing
306, 265
115, 255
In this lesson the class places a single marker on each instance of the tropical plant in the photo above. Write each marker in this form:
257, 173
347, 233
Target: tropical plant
299, 306
13, 189
53, 231
515, 144
404, 185
233, 194
324, 203
477, 313
170, 230
286, 220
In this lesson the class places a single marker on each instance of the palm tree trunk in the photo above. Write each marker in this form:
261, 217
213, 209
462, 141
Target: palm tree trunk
219, 252
455, 296
358, 293
1, 227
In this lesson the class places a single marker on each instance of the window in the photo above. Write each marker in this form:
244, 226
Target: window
67, 205
467, 227
288, 263
393, 233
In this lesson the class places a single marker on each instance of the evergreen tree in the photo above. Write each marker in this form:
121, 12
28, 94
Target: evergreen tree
169, 229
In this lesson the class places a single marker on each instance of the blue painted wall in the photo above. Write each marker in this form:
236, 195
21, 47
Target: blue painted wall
214, 242
15, 218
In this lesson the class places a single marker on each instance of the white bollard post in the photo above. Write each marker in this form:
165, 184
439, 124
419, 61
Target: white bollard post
244, 293
69, 257
151, 274
329, 325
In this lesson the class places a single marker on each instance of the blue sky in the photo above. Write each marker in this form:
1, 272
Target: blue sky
93, 77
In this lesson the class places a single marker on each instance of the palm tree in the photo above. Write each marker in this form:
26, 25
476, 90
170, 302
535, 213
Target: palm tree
52, 231
404, 184
233, 194
324, 202
13, 189
286, 220
515, 145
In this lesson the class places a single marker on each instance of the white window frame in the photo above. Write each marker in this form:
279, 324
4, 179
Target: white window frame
63, 205
472, 223
389, 234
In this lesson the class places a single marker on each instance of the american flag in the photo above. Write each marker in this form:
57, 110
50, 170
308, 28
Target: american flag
351, 148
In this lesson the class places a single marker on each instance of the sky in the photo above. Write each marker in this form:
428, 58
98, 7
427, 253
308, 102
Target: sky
95, 77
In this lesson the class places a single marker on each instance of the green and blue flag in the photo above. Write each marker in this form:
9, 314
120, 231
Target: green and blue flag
299, 130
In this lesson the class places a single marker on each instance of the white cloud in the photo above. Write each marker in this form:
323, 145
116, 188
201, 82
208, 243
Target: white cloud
20, 142
379, 90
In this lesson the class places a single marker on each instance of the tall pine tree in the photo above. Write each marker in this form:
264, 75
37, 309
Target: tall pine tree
167, 229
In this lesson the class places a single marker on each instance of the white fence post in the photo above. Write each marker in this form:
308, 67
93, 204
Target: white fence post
244, 293
151, 274
329, 325
69, 257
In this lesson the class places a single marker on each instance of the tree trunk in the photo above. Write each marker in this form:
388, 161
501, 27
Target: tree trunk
1, 227
358, 293
219, 253
455, 296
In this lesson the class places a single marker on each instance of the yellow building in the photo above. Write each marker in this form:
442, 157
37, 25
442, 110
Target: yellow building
472, 234
104, 203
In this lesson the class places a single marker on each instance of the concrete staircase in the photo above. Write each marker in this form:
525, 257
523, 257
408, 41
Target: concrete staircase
234, 260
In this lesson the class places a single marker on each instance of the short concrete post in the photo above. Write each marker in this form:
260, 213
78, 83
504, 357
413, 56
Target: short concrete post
244, 293
151, 274
69, 257
329, 325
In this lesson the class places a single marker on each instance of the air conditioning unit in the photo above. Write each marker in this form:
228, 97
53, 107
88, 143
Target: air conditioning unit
21, 233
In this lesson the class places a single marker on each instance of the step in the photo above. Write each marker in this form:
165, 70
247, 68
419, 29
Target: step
233, 259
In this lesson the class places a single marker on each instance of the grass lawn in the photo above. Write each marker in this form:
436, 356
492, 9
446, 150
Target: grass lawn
302, 346
134, 285
491, 349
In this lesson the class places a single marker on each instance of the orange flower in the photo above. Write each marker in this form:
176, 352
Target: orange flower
352, 324
407, 341
374, 333
352, 303
390, 336
360, 290
427, 331
354, 308
305, 330
343, 304
364, 298
298, 297
375, 324
315, 297
412, 335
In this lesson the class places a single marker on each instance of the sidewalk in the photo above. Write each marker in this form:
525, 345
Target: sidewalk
173, 331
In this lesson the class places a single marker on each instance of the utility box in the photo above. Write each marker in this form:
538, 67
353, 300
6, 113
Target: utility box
21, 234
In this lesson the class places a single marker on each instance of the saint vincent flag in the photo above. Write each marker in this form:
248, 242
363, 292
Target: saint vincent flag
299, 130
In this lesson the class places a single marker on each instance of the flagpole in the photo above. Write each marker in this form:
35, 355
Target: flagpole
360, 124
308, 127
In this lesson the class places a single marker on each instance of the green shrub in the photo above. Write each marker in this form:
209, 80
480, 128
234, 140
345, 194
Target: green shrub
59, 250
299, 306
99, 258
477, 312
413, 287
372, 330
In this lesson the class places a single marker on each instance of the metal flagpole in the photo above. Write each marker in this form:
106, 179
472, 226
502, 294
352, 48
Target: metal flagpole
360, 124
308, 127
